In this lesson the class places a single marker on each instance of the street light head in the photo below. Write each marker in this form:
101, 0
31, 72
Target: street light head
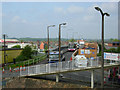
52, 25
107, 14
63, 23
97, 8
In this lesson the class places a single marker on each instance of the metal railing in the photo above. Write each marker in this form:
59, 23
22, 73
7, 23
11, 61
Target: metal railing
58, 67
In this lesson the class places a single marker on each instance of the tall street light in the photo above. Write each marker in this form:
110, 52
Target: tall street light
102, 61
48, 38
60, 38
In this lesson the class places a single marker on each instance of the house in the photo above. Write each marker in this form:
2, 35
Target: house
92, 46
112, 45
82, 42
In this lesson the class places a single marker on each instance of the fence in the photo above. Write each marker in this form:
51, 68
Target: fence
58, 67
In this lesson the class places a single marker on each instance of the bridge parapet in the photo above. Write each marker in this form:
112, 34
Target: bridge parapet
62, 67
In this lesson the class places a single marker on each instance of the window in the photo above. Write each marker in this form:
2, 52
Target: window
113, 44
118, 44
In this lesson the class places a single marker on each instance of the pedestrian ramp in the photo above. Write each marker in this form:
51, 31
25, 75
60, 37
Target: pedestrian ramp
62, 67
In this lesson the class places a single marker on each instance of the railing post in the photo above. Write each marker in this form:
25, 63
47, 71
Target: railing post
97, 62
46, 67
36, 69
61, 66
28, 70
92, 78
91, 62
49, 67
20, 72
69, 64
72, 63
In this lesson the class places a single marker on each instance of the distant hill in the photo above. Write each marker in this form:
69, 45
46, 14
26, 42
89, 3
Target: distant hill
40, 39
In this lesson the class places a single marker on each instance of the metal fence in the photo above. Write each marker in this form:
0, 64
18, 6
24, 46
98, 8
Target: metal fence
58, 67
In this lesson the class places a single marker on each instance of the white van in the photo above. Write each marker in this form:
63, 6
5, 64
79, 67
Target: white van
81, 61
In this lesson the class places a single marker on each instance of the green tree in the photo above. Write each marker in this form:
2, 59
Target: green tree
72, 40
111, 50
118, 50
27, 51
25, 54
115, 40
16, 46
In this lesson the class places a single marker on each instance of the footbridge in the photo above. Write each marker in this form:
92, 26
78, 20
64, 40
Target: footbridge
64, 67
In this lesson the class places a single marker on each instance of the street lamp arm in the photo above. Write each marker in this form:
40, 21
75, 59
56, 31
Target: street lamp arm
98, 9
106, 14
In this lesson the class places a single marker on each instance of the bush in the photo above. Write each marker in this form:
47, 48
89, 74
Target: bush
21, 58
16, 46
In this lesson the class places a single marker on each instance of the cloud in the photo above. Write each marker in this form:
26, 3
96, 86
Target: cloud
60, 10
74, 9
69, 10
92, 14
17, 19
109, 7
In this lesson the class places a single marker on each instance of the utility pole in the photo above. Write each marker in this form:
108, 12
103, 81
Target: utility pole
4, 50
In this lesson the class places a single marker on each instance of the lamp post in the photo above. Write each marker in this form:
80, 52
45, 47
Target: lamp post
60, 38
48, 38
102, 46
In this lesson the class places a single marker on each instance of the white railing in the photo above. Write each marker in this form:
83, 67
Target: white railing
57, 67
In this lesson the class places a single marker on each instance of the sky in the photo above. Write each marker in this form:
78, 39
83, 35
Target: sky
30, 19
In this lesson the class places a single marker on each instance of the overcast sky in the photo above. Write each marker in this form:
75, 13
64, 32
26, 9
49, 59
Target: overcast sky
30, 19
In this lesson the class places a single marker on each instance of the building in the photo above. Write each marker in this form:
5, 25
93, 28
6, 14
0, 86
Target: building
89, 53
114, 44
92, 46
82, 42
9, 40
13, 42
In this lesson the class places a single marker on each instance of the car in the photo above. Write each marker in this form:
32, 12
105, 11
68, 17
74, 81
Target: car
54, 57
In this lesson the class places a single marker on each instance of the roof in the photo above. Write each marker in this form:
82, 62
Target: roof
9, 40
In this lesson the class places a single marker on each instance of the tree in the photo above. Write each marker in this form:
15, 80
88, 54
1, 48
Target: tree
111, 50
118, 50
25, 54
27, 51
115, 40
72, 40
16, 46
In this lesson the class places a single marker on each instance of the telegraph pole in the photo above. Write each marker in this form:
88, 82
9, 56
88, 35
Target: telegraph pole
4, 50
